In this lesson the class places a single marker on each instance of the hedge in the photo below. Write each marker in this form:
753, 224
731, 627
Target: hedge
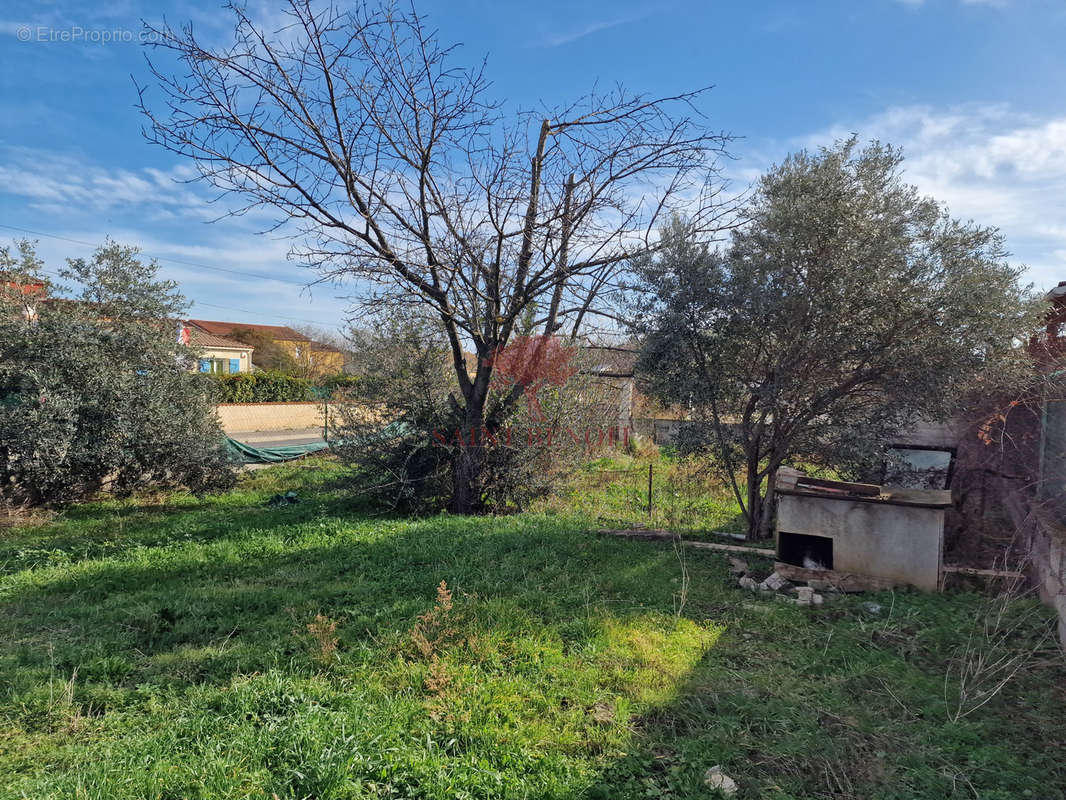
274, 386
264, 386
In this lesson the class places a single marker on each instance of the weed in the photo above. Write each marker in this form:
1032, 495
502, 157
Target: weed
323, 633
1003, 640
434, 628
438, 679
682, 594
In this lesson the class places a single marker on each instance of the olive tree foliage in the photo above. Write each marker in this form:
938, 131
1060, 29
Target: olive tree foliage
393, 168
846, 308
95, 392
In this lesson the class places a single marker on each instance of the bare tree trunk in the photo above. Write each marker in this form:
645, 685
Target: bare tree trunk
766, 510
754, 503
468, 464
467, 468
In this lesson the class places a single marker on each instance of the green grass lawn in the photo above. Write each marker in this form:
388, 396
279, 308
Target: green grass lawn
174, 647
685, 495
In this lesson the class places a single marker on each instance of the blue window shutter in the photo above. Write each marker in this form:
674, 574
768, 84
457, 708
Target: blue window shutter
205, 365
234, 365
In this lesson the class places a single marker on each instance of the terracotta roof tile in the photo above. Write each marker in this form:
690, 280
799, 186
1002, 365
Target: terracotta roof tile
199, 338
277, 332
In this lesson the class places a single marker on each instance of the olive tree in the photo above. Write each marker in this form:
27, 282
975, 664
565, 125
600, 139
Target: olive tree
96, 392
846, 307
392, 167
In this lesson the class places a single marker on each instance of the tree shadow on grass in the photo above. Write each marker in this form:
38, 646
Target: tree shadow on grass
252, 580
830, 705
106, 531
203, 618
562, 670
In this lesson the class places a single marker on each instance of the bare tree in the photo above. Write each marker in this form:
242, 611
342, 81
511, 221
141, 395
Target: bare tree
391, 166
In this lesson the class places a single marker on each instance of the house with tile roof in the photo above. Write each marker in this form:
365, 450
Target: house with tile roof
314, 357
217, 354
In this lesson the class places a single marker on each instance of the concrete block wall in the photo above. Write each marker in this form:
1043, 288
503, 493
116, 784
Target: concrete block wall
1048, 554
245, 417
1045, 549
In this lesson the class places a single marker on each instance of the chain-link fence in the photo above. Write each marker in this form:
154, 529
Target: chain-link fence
678, 495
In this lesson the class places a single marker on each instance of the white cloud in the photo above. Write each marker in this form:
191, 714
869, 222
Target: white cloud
988, 163
573, 34
51, 181
215, 294
75, 203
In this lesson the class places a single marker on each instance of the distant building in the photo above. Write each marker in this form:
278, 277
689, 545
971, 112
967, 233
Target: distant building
25, 294
317, 358
217, 354
613, 370
1050, 344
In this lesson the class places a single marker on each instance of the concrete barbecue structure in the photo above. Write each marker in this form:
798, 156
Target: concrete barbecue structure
859, 535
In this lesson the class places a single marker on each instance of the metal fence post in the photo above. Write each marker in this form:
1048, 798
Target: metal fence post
649, 491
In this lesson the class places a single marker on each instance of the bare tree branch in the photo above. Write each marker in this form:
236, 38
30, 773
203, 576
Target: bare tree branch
392, 168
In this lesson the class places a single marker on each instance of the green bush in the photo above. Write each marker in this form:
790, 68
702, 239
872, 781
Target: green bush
264, 386
95, 393
275, 386
331, 384
396, 423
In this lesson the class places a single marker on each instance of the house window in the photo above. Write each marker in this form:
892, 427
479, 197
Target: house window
219, 366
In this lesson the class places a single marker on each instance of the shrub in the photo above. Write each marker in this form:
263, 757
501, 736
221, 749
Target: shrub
323, 638
398, 424
340, 382
382, 420
95, 393
264, 386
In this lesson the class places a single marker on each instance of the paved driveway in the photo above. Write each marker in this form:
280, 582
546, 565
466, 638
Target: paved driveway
277, 438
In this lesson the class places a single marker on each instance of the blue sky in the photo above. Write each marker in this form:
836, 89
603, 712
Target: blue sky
973, 90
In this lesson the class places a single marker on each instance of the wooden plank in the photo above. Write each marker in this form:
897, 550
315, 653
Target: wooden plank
983, 573
838, 487
730, 548
660, 535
